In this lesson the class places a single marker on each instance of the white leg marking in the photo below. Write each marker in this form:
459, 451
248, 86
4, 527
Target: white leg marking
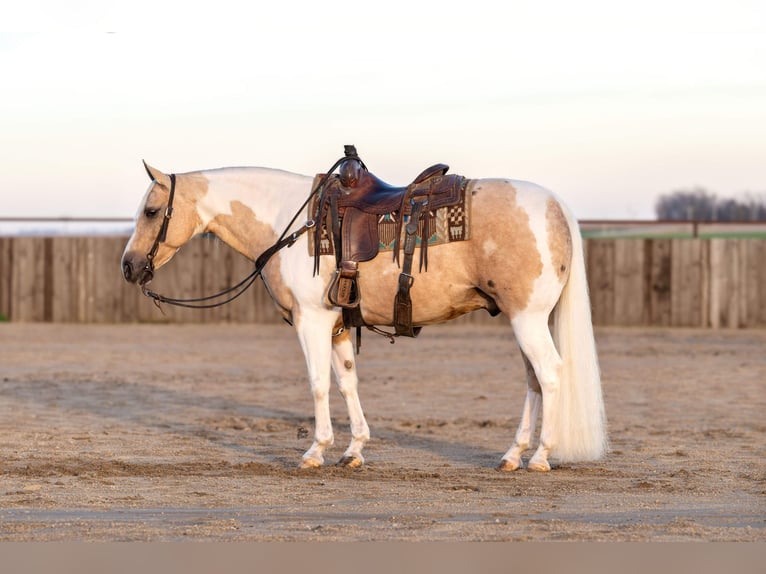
315, 335
537, 345
512, 459
345, 372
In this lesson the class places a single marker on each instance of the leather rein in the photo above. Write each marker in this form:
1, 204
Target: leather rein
209, 301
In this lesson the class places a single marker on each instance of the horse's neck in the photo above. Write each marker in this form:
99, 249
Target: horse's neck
248, 208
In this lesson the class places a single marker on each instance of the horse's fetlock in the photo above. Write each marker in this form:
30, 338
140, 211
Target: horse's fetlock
321, 443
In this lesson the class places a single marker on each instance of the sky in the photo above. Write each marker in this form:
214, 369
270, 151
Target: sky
609, 104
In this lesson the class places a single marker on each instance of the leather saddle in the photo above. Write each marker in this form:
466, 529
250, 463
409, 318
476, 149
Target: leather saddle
364, 191
350, 205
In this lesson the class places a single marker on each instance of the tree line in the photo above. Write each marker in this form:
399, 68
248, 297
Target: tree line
701, 205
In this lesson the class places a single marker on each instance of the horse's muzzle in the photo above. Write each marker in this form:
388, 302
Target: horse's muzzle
136, 271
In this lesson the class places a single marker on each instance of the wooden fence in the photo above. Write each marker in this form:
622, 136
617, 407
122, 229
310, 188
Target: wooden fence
662, 282
678, 282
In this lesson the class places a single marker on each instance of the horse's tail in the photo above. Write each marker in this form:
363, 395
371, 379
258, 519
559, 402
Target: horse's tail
581, 425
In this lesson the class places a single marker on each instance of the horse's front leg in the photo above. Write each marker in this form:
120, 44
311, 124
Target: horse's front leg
345, 371
315, 335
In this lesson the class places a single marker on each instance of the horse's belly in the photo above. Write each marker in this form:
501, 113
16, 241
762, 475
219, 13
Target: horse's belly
442, 293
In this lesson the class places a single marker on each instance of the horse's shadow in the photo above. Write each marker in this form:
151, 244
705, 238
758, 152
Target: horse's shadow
167, 410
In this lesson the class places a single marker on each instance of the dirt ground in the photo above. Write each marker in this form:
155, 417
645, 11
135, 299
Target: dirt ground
179, 432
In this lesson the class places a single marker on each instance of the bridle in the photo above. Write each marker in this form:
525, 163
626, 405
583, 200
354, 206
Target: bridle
148, 271
209, 301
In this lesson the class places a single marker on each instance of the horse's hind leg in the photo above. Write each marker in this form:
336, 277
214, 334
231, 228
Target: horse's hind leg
345, 372
536, 343
512, 459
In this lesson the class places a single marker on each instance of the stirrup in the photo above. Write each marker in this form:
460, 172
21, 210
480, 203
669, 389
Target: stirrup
344, 291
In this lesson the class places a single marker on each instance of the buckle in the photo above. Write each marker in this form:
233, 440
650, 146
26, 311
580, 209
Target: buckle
406, 280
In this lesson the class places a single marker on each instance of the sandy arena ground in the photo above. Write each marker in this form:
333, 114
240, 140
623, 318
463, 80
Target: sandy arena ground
178, 432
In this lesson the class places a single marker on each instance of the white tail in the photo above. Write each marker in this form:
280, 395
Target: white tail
581, 425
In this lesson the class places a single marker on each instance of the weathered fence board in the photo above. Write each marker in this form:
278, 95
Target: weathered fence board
662, 282
755, 285
600, 264
6, 276
658, 299
686, 282
629, 283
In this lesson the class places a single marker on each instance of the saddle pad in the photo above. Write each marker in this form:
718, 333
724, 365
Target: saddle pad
447, 224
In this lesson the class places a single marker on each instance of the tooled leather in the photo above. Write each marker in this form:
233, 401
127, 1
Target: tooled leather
359, 235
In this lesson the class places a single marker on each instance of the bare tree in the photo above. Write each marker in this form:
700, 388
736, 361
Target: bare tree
701, 205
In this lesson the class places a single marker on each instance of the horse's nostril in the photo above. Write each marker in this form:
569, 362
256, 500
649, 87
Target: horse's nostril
127, 271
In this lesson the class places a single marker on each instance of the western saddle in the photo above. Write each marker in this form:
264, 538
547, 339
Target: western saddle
349, 207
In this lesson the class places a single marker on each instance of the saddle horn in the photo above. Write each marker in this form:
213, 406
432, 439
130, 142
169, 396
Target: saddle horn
350, 170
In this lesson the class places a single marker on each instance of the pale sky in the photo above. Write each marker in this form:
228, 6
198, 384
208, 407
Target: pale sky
609, 104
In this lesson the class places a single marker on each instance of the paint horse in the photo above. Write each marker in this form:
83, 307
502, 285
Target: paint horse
524, 259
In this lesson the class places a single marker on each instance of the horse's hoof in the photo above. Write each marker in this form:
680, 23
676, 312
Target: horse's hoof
537, 466
309, 463
509, 465
349, 461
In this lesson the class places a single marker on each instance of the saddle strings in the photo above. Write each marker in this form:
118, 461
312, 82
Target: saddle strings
260, 262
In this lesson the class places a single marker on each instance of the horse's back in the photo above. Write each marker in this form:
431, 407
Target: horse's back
522, 202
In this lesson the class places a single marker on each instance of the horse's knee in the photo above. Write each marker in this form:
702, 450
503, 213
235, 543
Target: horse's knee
348, 383
320, 393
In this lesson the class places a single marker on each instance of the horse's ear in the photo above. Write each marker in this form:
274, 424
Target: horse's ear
157, 175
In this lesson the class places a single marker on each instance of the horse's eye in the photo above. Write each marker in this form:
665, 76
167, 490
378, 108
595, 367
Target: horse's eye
150, 213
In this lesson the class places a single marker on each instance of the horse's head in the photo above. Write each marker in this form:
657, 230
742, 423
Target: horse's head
151, 246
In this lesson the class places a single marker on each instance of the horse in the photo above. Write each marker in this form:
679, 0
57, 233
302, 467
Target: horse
524, 259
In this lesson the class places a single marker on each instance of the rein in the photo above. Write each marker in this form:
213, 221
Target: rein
284, 240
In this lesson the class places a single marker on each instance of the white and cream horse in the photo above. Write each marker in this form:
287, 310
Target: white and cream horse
524, 258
